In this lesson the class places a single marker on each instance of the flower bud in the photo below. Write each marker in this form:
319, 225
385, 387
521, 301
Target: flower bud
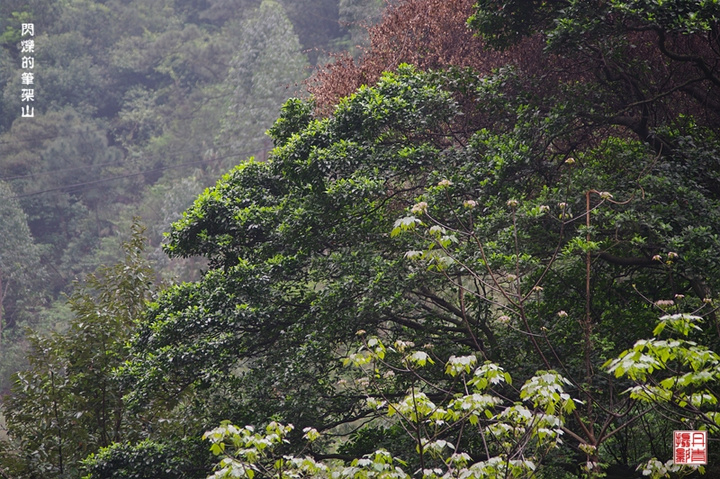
419, 208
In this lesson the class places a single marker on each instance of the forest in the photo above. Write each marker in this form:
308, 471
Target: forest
355, 239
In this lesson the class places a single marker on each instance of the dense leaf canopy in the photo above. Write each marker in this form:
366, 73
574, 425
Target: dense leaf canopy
396, 217
487, 235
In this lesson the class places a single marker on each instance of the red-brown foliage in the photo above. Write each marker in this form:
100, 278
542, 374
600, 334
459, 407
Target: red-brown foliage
649, 77
429, 34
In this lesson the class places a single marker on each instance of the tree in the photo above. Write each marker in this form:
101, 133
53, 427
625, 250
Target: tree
265, 71
316, 24
21, 273
272, 207
536, 202
19, 257
648, 65
53, 164
149, 459
67, 404
529, 257
427, 34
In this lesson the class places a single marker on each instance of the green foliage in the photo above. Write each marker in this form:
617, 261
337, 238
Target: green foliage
20, 267
526, 223
11, 36
524, 429
295, 115
677, 376
379, 218
146, 460
67, 404
268, 209
673, 372
502, 23
263, 73
21, 277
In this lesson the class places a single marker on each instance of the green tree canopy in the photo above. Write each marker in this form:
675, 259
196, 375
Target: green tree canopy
527, 210
20, 267
400, 217
67, 405
266, 69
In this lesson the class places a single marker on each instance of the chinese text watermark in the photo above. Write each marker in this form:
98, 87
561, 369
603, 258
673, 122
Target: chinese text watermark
27, 77
690, 447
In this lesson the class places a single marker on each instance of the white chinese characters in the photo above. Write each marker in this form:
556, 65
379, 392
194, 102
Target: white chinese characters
27, 29
27, 45
27, 78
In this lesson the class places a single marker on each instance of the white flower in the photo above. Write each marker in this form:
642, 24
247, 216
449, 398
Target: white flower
419, 207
